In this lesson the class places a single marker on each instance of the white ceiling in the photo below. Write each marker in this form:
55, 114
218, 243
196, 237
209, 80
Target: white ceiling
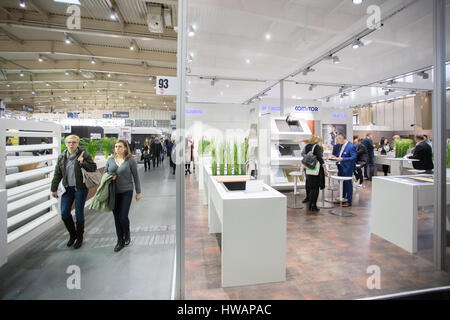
229, 32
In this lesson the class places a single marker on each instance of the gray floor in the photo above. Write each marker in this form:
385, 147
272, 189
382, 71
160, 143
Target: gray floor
142, 270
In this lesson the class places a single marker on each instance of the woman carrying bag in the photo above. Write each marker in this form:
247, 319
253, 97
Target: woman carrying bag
124, 170
384, 149
315, 177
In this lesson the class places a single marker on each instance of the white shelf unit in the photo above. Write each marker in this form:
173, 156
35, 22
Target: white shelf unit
29, 207
270, 137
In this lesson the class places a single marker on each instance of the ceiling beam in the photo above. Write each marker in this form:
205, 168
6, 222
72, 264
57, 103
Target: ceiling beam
75, 65
119, 15
96, 51
99, 28
11, 36
167, 2
14, 78
38, 8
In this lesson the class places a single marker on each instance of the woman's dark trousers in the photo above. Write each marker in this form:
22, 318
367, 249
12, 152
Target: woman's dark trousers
121, 210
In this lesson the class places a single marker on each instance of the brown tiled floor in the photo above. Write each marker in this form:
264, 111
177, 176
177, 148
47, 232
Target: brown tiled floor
327, 256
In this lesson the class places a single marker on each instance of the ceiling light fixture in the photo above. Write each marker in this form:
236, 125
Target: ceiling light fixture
40, 59
67, 40
311, 87
132, 47
357, 43
21, 74
113, 16
357, 1
191, 31
424, 75
92, 61
8, 85
190, 57
66, 73
268, 36
307, 70
22, 4
109, 75
47, 84
33, 92
247, 61
336, 60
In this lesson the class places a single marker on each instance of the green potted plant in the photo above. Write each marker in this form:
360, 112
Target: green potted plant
229, 160
107, 146
236, 163
63, 144
222, 158
401, 147
244, 149
213, 160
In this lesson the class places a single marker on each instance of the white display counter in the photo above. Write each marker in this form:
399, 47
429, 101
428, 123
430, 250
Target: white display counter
253, 228
396, 164
395, 203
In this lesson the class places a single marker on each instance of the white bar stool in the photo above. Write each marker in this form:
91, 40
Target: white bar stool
294, 204
331, 187
340, 212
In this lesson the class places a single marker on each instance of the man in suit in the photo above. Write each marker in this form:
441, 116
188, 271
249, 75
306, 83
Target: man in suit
369, 168
424, 154
346, 165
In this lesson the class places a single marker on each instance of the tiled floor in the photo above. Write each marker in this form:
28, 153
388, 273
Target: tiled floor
327, 256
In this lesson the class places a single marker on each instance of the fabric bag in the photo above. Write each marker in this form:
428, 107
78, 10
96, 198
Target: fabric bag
310, 160
315, 171
91, 179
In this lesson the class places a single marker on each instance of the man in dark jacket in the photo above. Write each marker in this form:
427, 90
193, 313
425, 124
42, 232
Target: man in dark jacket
68, 169
369, 168
362, 159
424, 154
169, 147
155, 151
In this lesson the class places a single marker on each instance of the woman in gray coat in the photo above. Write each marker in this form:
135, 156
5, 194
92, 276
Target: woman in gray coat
124, 169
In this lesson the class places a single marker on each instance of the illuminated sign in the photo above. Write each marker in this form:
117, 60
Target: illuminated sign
306, 108
339, 115
274, 108
194, 111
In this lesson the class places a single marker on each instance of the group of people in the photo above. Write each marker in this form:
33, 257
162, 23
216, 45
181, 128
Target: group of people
69, 171
154, 151
354, 158
344, 153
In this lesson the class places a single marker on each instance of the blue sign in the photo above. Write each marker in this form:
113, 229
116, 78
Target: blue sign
194, 111
271, 108
72, 115
107, 115
339, 115
306, 108
121, 114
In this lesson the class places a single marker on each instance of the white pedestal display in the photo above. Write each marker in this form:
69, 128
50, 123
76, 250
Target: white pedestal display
395, 203
253, 228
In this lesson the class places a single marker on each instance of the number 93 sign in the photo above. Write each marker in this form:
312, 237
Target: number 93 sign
166, 85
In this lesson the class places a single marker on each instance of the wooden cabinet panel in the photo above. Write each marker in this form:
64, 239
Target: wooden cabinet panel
408, 113
397, 106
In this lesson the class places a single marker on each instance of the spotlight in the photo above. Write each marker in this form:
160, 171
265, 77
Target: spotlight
21, 74
22, 4
131, 47
40, 58
112, 16
47, 84
311, 87
268, 36
120, 84
336, 60
247, 61
357, 1
8, 85
33, 92
190, 58
92, 61
357, 43
67, 40
191, 31
391, 82
307, 70
66, 73
109, 75
424, 75
150, 78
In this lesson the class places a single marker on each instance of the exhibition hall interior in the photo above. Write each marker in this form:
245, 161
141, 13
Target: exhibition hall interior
224, 150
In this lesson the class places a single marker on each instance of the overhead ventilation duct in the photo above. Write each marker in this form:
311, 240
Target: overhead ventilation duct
155, 18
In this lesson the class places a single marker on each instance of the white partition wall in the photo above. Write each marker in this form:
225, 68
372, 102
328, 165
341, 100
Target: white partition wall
26, 176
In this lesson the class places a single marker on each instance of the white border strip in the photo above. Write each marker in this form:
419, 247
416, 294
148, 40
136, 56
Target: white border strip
174, 275
405, 294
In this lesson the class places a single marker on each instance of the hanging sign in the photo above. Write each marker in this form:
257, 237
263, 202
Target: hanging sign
166, 86
121, 114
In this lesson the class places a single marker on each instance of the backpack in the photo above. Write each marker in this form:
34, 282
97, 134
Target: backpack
310, 160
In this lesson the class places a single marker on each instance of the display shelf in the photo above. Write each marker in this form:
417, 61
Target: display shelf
27, 214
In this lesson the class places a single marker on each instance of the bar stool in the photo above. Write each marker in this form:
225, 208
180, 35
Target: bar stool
294, 204
327, 204
331, 187
340, 212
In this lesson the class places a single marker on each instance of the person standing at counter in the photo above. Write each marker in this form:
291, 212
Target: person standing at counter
315, 182
370, 168
384, 148
424, 154
362, 159
346, 165
68, 169
124, 170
